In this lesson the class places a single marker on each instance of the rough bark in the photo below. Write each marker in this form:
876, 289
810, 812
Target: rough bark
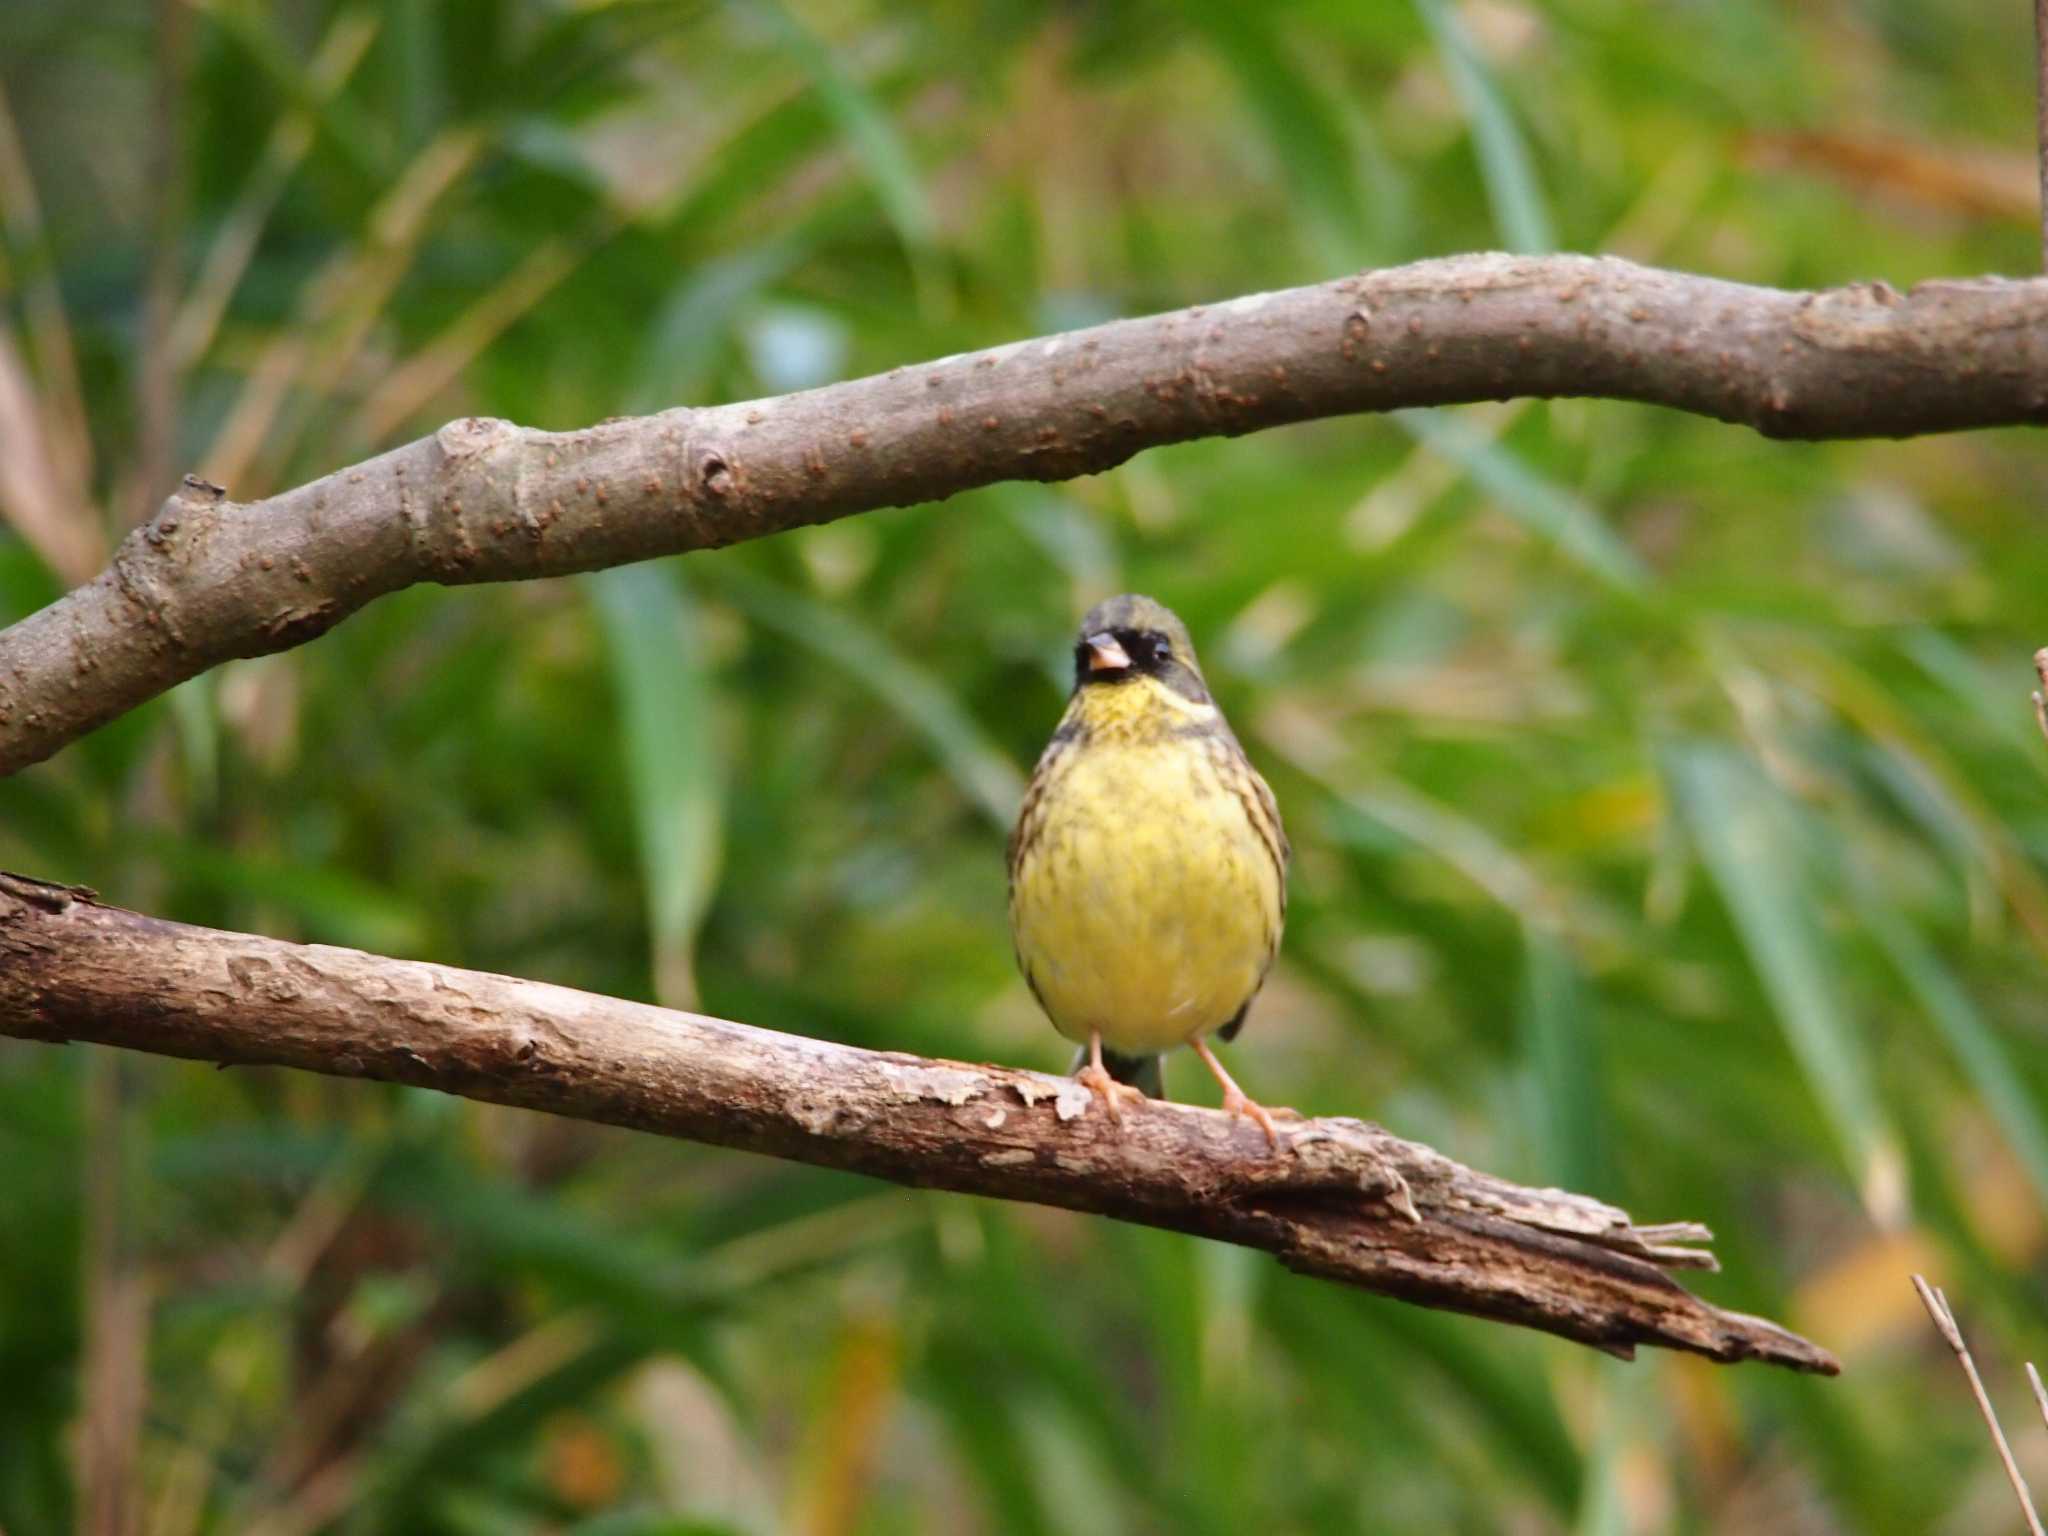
209, 578
1344, 1200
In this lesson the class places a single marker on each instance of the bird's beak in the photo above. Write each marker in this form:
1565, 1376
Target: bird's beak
1105, 655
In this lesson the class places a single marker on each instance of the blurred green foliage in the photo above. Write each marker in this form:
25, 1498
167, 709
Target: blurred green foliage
1670, 820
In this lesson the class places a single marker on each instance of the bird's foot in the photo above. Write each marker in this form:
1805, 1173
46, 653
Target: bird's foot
1096, 1080
1235, 1103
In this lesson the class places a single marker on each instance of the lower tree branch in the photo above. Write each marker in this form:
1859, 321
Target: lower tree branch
209, 579
1347, 1201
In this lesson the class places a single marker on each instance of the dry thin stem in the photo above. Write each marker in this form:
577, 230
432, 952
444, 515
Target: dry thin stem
113, 1384
46, 470
227, 259
2041, 671
2041, 114
1345, 1201
337, 312
181, 1498
49, 330
323, 1499
411, 384
35, 496
1945, 1324
2040, 1393
209, 578
158, 379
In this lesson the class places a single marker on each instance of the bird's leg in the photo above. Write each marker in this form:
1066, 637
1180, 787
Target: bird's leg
1095, 1077
1235, 1100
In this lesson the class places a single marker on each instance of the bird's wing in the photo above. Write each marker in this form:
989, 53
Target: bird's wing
1256, 795
1031, 813
1263, 811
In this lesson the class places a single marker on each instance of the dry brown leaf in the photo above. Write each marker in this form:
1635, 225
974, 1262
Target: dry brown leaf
1971, 183
58, 526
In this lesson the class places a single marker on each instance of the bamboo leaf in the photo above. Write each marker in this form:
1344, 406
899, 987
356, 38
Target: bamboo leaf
1562, 1054
1538, 503
1751, 847
1948, 1006
1520, 212
984, 775
2001, 710
1307, 135
672, 768
867, 126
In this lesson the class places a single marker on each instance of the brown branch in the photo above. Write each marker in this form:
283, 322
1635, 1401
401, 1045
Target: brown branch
208, 579
1347, 1201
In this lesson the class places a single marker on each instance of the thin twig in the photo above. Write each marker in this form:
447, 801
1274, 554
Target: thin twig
2040, 1393
183, 1490
410, 384
36, 496
1945, 1324
227, 259
49, 330
113, 1383
2041, 113
2041, 670
338, 309
157, 375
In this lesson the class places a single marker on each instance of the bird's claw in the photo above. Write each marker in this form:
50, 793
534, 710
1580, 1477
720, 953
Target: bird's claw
1106, 1088
1236, 1104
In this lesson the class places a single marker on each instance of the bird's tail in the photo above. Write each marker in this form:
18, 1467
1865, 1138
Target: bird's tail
1144, 1073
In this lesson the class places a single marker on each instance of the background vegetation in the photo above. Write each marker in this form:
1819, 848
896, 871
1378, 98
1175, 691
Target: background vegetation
1670, 821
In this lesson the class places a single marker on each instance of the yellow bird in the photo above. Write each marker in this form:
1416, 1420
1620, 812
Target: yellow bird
1148, 868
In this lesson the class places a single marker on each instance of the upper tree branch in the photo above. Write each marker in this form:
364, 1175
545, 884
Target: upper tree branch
1347, 1201
209, 578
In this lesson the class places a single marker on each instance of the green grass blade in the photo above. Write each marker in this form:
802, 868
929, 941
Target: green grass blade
672, 769
1750, 847
1563, 1079
197, 726
685, 332
282, 61
332, 905
1492, 1402
647, 1523
1999, 705
1623, 1402
1520, 211
464, 1451
1460, 842
985, 1437
866, 125
984, 775
1307, 135
1968, 1034
1538, 503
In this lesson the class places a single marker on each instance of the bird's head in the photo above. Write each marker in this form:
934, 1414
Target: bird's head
1132, 638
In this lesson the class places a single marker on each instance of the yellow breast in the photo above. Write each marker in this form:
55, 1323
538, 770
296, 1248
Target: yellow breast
1146, 900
